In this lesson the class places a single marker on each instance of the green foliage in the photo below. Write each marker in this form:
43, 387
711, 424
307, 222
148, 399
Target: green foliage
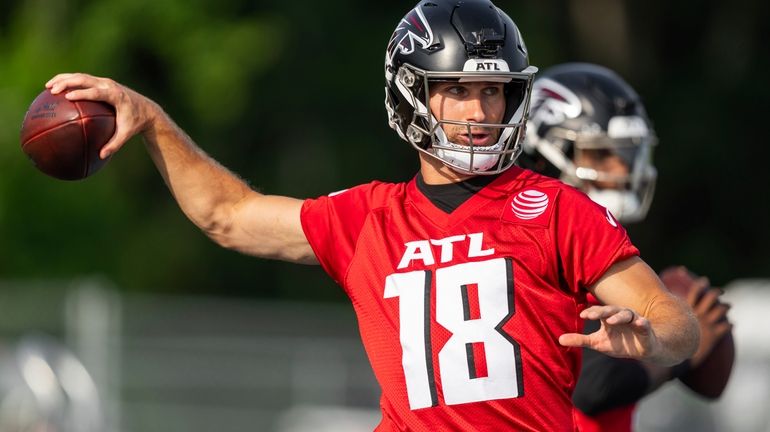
289, 95
120, 222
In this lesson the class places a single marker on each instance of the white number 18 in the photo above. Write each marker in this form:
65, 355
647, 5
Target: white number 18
494, 282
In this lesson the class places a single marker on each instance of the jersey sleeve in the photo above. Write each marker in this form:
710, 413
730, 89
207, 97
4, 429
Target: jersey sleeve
332, 225
590, 240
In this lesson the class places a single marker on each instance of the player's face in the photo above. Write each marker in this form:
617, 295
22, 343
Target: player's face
606, 162
476, 102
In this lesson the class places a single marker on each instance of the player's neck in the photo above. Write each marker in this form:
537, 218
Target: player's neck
435, 173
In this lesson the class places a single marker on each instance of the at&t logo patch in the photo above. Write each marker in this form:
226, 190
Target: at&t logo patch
530, 205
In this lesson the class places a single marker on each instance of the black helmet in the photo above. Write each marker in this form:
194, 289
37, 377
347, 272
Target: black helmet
581, 107
462, 40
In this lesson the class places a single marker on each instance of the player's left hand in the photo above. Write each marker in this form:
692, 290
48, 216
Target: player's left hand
623, 333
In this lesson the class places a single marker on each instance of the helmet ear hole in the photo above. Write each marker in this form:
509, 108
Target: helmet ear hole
407, 77
414, 134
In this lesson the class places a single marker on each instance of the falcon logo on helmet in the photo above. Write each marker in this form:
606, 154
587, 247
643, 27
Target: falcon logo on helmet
413, 29
552, 103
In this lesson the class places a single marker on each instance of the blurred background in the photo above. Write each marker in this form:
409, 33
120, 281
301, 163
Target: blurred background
107, 286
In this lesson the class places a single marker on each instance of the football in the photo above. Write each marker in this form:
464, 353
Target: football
678, 280
710, 378
63, 138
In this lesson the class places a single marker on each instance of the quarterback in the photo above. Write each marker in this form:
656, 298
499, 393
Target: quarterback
469, 280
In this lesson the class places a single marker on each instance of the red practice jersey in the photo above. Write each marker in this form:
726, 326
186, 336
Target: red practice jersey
460, 313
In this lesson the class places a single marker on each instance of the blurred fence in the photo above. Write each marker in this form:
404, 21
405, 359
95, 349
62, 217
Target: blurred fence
162, 363
203, 364
57, 357
196, 363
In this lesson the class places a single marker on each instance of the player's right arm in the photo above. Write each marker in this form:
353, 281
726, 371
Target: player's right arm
213, 198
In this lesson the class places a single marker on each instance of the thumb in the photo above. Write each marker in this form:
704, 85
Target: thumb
114, 144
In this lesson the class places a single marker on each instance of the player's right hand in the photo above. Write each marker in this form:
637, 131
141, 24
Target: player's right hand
134, 113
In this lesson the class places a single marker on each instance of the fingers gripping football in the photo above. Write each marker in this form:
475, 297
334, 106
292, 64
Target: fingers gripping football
705, 303
134, 113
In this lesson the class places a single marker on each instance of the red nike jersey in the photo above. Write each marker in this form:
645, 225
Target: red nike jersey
460, 313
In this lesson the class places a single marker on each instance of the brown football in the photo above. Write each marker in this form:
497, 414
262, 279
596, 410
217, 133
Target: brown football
63, 138
710, 378
678, 280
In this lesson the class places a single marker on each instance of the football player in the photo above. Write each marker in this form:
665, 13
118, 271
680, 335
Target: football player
468, 280
589, 128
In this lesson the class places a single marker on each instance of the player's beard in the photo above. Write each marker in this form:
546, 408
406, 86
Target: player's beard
478, 137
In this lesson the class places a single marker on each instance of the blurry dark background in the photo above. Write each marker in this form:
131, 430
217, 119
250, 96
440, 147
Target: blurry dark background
289, 95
